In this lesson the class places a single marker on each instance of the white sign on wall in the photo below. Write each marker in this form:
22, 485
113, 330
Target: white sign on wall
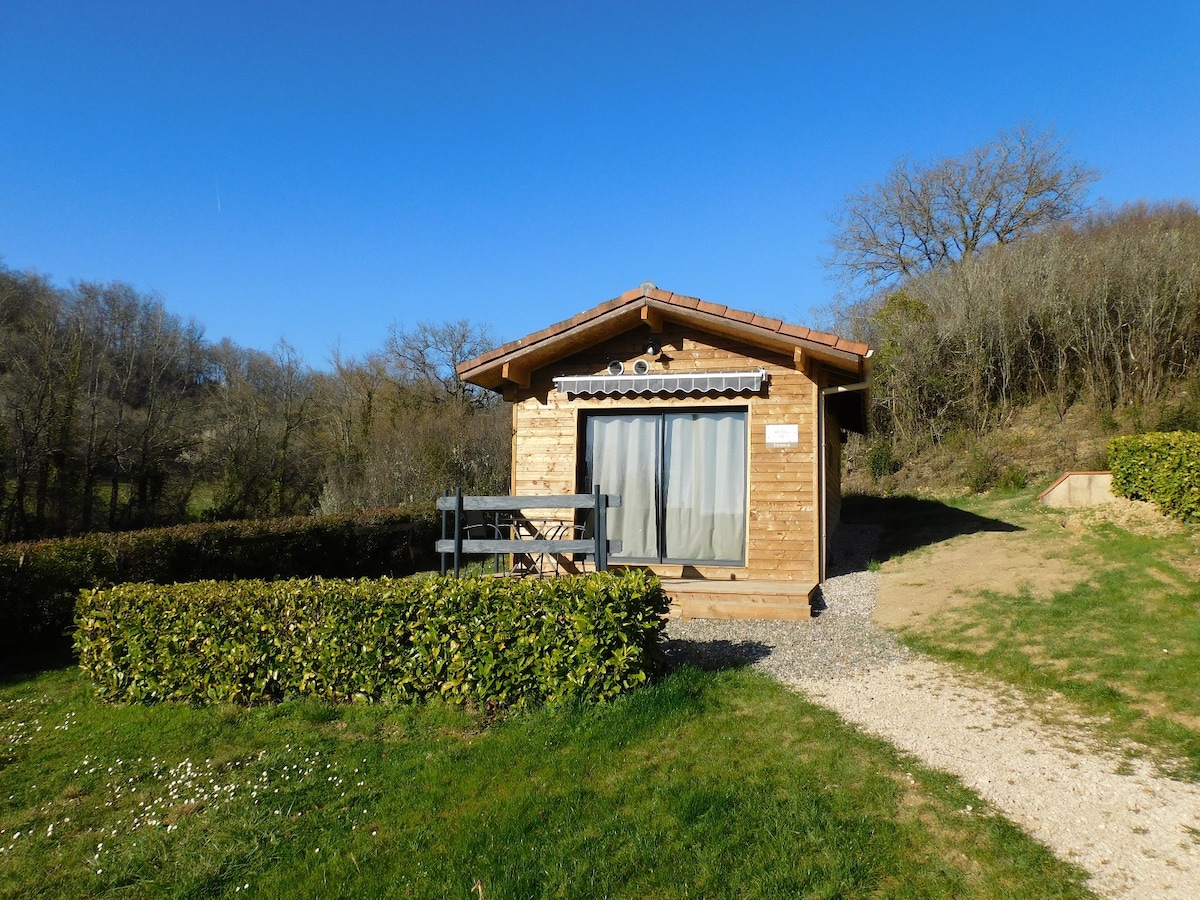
783, 435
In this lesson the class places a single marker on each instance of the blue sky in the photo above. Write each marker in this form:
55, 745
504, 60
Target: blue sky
318, 171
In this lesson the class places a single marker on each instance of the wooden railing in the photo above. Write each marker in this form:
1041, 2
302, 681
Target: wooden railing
454, 541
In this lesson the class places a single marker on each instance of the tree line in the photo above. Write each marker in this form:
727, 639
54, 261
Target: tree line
985, 283
117, 414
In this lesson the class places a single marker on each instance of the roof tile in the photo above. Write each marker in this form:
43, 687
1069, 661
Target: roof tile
796, 331
822, 337
766, 322
714, 309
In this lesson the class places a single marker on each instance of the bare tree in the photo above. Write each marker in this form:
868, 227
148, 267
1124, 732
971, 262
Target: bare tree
393, 439
35, 397
1106, 310
113, 412
260, 446
427, 356
923, 218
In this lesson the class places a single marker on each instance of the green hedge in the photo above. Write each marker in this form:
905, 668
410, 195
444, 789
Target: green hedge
39, 582
494, 642
1163, 468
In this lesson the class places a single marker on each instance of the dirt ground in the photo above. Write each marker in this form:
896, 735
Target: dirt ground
918, 585
1042, 557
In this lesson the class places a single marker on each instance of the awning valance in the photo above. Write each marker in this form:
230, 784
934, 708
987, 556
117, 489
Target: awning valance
663, 383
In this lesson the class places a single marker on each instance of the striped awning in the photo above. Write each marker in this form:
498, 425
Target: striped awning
663, 383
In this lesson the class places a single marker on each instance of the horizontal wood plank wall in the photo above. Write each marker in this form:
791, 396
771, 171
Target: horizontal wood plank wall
783, 522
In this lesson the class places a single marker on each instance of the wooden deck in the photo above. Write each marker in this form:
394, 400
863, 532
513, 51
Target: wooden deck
711, 599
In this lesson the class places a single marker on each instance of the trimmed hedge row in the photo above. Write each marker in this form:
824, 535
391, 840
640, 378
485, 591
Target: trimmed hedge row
39, 582
494, 642
1162, 467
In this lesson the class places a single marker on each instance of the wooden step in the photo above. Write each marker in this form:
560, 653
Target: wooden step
702, 599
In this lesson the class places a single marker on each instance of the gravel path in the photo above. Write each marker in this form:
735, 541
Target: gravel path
1136, 832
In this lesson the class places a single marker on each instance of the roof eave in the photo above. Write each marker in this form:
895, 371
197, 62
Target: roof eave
494, 370
535, 352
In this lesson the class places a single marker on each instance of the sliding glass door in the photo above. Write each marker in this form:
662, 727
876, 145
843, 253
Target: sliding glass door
682, 481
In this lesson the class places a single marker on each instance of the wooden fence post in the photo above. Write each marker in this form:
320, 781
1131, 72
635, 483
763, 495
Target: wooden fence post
601, 501
458, 511
445, 493
496, 534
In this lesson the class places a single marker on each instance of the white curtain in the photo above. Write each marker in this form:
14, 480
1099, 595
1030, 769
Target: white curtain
623, 459
704, 482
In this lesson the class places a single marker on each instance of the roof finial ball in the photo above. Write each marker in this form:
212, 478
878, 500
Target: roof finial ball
649, 286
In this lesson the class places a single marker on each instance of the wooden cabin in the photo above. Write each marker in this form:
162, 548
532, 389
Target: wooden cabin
720, 429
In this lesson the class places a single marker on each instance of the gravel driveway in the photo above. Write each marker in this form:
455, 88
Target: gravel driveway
1135, 831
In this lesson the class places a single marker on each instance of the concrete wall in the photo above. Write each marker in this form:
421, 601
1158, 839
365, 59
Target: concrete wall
1079, 489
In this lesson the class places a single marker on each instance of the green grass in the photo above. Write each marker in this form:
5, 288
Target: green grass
202, 498
705, 785
1124, 642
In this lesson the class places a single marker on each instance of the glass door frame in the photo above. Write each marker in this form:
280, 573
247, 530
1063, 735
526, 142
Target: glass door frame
584, 480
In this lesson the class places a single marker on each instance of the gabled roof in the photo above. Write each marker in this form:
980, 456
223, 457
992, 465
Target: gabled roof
514, 362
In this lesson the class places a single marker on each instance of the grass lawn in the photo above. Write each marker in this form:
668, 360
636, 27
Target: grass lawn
705, 785
1124, 641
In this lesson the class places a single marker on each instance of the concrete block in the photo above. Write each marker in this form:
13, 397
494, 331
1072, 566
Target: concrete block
1076, 489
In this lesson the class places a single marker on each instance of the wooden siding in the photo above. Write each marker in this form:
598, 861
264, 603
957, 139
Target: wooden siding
759, 599
783, 524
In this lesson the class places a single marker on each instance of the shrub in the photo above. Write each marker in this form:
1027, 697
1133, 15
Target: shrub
493, 642
1183, 417
1013, 478
981, 472
1161, 467
881, 459
39, 582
